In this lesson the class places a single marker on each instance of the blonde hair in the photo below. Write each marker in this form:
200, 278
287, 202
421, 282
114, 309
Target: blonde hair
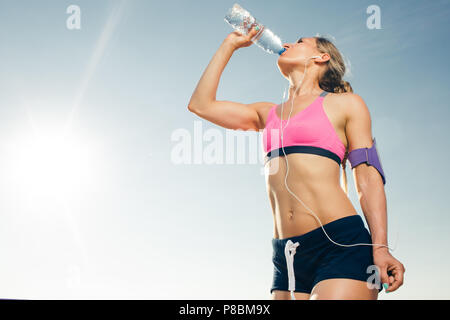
331, 81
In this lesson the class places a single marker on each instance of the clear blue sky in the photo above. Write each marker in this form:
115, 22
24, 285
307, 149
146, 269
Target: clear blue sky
108, 214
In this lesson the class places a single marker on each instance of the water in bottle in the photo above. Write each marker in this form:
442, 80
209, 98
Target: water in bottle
242, 21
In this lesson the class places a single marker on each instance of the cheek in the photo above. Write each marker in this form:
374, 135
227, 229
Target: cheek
298, 52
303, 50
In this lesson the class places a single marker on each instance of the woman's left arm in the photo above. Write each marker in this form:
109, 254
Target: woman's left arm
370, 188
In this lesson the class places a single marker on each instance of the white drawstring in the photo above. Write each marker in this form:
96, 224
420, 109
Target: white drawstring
289, 252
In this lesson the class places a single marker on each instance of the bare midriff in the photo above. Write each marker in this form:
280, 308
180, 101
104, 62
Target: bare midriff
314, 179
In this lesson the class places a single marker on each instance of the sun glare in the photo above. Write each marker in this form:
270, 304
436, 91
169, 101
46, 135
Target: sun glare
48, 164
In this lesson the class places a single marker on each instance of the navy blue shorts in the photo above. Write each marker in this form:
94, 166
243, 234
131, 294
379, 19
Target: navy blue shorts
317, 258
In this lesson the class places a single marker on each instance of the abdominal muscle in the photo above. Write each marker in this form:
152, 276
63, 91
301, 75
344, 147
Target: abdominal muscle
313, 179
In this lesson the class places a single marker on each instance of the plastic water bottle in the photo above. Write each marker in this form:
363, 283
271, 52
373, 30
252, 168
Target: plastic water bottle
242, 21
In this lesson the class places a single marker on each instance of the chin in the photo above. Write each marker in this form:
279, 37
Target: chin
285, 67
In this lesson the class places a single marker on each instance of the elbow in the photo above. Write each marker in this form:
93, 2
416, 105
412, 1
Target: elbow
191, 105
197, 106
192, 108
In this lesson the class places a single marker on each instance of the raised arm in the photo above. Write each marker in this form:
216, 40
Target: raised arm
227, 114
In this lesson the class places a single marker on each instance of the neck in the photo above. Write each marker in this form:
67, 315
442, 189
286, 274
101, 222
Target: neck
308, 86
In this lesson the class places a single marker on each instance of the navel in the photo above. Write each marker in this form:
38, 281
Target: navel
291, 214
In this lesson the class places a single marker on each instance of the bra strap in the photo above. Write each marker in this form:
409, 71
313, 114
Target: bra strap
324, 93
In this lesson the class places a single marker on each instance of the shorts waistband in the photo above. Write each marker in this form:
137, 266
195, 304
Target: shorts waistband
341, 225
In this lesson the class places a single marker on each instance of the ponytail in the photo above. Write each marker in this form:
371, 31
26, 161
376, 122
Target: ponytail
343, 86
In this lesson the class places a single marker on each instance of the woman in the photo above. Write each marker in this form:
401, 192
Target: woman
305, 260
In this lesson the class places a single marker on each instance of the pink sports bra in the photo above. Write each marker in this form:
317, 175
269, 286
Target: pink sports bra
308, 131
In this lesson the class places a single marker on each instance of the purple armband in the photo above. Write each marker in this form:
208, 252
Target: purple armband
369, 155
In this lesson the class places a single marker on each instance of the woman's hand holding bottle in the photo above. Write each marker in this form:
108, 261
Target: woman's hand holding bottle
238, 40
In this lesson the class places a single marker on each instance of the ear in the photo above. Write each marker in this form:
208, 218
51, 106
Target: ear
324, 57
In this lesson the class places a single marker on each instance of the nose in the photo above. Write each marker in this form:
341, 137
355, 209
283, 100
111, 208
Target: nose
286, 46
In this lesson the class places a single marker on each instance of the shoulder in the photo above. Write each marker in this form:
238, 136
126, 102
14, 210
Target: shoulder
358, 126
352, 104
